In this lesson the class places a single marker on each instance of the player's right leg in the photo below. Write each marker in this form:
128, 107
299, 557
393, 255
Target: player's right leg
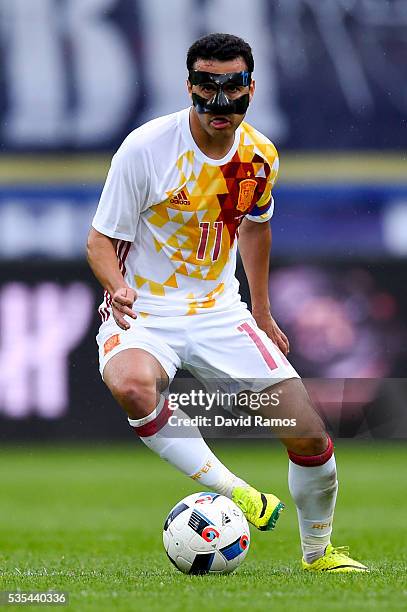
137, 366
132, 376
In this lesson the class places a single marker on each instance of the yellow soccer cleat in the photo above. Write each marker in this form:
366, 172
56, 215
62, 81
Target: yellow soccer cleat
261, 509
335, 560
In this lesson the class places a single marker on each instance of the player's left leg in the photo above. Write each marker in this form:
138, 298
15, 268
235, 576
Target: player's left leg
246, 354
312, 477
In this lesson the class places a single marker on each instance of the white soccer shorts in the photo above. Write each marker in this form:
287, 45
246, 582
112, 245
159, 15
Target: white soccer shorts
225, 349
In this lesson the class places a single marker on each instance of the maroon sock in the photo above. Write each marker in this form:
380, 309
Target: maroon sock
313, 460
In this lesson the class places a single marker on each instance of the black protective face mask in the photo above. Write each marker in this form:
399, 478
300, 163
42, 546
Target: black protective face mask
220, 104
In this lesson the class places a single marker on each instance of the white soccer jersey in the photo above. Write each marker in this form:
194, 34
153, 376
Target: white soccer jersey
175, 213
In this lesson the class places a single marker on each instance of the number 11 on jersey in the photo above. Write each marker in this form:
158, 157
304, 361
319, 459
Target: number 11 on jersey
203, 240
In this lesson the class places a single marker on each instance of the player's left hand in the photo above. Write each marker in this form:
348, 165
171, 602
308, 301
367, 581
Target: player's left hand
266, 322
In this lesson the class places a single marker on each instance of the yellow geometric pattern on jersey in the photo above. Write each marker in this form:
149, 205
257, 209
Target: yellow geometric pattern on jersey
210, 194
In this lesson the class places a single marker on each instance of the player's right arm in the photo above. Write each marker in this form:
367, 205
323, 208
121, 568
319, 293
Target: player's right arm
124, 196
102, 258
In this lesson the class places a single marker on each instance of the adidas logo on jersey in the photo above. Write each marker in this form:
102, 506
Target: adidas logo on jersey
180, 198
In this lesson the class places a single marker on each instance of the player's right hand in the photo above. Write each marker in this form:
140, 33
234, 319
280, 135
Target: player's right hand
122, 302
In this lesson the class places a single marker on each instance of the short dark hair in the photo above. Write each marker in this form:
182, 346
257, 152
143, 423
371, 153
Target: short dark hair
221, 47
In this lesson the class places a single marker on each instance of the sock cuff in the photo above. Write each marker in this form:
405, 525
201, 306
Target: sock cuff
313, 460
139, 424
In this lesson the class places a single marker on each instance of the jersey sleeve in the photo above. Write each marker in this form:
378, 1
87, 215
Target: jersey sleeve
260, 214
264, 209
123, 197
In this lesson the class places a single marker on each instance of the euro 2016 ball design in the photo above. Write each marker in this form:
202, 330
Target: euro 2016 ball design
206, 533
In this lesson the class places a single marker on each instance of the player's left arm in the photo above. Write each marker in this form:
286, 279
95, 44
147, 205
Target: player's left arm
254, 247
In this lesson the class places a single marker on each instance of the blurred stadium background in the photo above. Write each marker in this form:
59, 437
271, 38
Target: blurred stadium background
77, 75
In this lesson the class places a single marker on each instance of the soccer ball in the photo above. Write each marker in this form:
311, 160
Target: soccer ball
206, 533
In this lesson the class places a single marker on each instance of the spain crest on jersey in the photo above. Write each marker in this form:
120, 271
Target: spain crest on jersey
247, 187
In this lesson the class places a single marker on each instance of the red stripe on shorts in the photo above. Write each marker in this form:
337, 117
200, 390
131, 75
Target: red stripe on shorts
254, 337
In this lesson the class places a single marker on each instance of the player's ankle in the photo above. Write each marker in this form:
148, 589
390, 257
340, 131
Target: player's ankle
315, 553
228, 484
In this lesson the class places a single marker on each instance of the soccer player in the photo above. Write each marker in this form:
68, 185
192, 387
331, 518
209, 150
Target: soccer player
182, 191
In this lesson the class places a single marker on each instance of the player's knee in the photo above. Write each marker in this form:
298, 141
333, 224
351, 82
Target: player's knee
309, 446
138, 398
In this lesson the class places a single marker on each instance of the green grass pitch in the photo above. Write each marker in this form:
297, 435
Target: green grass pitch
88, 520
